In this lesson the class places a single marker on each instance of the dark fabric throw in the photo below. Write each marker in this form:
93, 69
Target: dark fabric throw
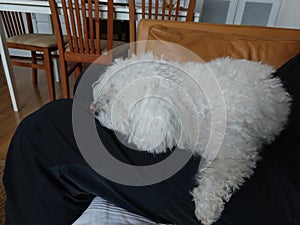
47, 181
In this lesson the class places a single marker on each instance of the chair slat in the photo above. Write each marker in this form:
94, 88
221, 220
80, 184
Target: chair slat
149, 9
177, 10
97, 25
143, 9
91, 26
156, 9
164, 5
73, 32
29, 23
67, 23
85, 26
9, 24
15, 20
110, 19
79, 28
190, 10
170, 9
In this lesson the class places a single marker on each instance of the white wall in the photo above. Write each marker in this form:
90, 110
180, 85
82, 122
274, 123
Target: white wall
289, 14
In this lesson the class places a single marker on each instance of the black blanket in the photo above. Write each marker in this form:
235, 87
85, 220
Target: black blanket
47, 181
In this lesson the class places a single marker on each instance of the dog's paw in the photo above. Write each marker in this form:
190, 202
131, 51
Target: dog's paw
208, 207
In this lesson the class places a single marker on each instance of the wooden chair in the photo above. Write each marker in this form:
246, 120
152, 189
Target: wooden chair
82, 19
159, 10
22, 36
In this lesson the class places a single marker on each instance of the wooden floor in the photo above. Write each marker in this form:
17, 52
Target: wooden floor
31, 98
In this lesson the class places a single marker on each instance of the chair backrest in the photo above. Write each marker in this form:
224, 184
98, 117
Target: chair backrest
14, 24
82, 20
178, 10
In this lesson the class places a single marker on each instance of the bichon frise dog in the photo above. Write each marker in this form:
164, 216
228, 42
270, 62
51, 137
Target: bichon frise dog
224, 110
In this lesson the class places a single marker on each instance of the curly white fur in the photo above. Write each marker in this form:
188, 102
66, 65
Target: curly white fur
159, 104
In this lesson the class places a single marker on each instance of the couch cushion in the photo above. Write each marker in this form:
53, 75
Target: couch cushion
273, 46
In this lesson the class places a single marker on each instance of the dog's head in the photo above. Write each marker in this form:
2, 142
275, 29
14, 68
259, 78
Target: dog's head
142, 98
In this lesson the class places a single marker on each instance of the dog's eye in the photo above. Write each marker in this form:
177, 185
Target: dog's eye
96, 114
107, 101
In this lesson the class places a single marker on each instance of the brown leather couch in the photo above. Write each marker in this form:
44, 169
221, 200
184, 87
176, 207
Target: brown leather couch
269, 45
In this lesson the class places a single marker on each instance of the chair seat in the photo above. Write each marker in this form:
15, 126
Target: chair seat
38, 40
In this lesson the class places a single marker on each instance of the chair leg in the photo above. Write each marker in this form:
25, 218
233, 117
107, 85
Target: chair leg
34, 70
78, 70
64, 78
49, 73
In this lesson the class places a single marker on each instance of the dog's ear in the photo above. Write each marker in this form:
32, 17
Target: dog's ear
153, 125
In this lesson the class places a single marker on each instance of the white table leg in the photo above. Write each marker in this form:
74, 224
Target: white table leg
8, 68
56, 69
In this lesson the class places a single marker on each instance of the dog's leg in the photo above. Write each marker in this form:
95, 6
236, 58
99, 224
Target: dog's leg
218, 180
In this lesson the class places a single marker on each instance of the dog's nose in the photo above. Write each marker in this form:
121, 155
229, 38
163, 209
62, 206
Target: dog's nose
93, 107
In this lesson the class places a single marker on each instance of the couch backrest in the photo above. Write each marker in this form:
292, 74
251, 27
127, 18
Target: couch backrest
273, 46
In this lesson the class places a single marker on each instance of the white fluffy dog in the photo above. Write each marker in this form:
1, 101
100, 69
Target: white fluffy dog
224, 110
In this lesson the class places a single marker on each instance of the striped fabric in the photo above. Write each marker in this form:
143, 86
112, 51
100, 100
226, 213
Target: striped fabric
102, 212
